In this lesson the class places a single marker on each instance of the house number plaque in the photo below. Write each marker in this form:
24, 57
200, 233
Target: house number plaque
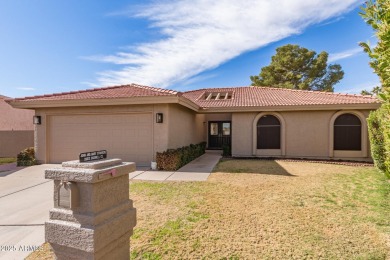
93, 156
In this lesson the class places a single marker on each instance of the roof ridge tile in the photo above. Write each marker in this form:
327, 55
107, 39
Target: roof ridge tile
283, 89
71, 92
246, 96
162, 90
315, 91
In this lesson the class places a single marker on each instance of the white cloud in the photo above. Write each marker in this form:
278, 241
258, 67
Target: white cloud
198, 78
331, 21
90, 84
345, 54
26, 89
202, 34
362, 86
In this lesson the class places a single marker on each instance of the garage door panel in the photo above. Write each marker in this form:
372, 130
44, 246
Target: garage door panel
125, 136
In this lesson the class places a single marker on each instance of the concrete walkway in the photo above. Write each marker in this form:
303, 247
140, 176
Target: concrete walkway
25, 200
8, 167
197, 170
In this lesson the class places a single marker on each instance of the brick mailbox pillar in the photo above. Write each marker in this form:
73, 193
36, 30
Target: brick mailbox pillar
93, 217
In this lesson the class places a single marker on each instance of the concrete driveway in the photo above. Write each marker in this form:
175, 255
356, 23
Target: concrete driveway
25, 201
26, 198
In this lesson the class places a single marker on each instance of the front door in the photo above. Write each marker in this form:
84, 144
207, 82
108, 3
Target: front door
219, 134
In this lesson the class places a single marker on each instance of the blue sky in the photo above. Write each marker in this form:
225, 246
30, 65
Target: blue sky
58, 46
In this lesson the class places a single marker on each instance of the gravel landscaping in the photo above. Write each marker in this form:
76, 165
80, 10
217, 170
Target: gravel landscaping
253, 209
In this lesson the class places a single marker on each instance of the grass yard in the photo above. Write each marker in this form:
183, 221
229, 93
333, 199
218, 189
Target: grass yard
7, 160
252, 209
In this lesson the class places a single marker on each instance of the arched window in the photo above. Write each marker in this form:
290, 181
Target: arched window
347, 133
268, 132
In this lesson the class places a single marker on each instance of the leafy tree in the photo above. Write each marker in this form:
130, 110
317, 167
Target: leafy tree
377, 14
296, 67
374, 92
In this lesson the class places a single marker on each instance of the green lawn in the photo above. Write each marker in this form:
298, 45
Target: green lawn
251, 209
7, 160
266, 210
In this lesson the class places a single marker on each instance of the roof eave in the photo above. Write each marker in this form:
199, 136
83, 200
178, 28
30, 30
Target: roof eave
93, 102
188, 103
365, 106
178, 100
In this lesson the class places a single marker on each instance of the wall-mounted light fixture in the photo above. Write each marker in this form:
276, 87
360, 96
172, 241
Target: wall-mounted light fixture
37, 120
159, 118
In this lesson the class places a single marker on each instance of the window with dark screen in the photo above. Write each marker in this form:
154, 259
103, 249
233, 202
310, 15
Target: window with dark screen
347, 133
268, 132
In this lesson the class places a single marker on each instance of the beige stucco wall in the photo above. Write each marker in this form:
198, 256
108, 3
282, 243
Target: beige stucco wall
185, 126
12, 142
242, 133
181, 126
14, 118
160, 131
218, 117
306, 134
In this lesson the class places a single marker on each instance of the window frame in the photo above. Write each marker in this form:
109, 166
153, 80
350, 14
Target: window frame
269, 152
363, 153
341, 130
263, 145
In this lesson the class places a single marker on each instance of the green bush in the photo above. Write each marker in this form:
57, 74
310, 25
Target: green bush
376, 14
226, 150
173, 159
386, 135
379, 131
26, 157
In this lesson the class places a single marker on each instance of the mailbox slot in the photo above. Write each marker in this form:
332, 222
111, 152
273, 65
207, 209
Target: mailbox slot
68, 195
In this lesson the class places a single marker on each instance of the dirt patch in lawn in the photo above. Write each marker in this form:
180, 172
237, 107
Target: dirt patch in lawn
266, 210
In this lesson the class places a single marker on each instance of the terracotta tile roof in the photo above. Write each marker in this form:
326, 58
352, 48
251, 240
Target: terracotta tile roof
124, 91
240, 96
267, 96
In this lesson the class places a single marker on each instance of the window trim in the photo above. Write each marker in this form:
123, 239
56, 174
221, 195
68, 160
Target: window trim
263, 127
364, 136
269, 152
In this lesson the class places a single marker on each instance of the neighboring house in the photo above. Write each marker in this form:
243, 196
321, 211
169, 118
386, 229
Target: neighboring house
16, 129
255, 121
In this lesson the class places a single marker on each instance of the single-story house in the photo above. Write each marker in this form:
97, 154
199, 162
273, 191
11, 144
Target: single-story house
16, 129
133, 122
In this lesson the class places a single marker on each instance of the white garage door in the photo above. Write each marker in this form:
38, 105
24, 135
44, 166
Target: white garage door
125, 136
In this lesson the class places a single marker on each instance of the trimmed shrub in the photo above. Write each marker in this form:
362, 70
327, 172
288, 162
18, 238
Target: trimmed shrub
376, 14
226, 150
386, 136
173, 159
26, 157
379, 131
377, 139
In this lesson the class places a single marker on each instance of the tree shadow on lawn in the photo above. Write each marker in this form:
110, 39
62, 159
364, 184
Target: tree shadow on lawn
257, 166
